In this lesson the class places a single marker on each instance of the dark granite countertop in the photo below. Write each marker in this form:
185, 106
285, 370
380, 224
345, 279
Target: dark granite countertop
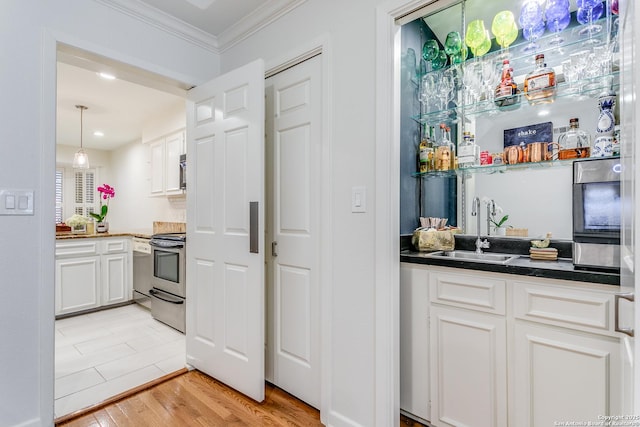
561, 269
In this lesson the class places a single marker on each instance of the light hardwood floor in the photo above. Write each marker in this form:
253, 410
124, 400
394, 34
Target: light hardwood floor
195, 399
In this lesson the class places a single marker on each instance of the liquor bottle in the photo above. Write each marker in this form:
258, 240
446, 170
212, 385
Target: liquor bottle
574, 137
605, 144
431, 147
423, 153
507, 94
540, 84
443, 152
468, 152
453, 159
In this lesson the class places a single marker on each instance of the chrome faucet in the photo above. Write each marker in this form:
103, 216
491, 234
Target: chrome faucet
475, 211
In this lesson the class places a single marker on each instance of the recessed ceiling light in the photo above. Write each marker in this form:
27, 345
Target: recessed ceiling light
107, 76
543, 113
98, 133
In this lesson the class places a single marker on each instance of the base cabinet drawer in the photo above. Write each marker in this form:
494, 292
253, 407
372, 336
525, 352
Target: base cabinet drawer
169, 309
571, 308
472, 291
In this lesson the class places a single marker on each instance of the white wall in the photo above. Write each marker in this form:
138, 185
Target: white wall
351, 29
28, 32
133, 209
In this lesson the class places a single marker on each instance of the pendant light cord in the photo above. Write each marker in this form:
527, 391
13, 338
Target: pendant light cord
82, 108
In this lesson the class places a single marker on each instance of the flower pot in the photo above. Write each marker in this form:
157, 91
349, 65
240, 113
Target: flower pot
102, 227
500, 231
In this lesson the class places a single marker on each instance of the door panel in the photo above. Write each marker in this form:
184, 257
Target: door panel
225, 282
630, 238
294, 142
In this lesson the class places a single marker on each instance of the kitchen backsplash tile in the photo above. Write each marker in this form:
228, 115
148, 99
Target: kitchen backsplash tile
169, 227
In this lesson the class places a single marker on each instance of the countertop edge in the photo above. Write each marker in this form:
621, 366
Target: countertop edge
521, 268
71, 236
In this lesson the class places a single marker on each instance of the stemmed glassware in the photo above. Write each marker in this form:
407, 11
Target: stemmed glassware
532, 22
589, 11
558, 18
439, 61
505, 29
430, 50
477, 38
453, 44
491, 70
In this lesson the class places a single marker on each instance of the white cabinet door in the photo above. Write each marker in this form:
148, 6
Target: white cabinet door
414, 341
561, 375
77, 284
157, 167
174, 147
225, 229
115, 279
469, 368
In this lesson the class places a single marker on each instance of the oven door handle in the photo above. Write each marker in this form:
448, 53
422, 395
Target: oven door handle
162, 296
167, 246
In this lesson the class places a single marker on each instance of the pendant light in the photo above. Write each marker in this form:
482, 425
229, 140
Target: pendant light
81, 159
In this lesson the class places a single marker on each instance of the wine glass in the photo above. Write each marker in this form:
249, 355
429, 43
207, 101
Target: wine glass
558, 18
430, 50
475, 35
453, 44
484, 47
439, 61
588, 12
504, 28
460, 56
532, 22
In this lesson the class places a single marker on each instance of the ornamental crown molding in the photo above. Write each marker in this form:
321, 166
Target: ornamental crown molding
248, 25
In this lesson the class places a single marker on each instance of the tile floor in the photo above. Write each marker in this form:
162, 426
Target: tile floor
101, 354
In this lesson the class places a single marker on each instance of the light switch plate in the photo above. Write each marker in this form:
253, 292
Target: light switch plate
358, 199
16, 202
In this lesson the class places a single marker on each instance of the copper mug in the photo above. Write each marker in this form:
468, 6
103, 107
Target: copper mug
574, 153
539, 151
513, 154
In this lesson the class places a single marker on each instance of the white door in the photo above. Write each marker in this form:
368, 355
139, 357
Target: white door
294, 142
630, 155
225, 229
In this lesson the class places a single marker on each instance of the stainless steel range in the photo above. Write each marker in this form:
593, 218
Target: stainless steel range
168, 292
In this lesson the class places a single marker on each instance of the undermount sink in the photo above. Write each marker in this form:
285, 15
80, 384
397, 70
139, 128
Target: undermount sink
490, 257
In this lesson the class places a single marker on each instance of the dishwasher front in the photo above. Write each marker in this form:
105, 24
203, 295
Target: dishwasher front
142, 271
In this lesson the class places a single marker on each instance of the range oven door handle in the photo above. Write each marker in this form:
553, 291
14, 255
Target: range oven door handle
164, 297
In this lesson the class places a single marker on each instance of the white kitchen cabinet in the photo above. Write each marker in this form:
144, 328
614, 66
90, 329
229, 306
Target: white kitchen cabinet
415, 399
165, 164
116, 266
92, 272
561, 375
468, 351
566, 354
77, 284
510, 350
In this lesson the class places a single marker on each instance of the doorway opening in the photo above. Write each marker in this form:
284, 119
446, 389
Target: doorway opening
104, 344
